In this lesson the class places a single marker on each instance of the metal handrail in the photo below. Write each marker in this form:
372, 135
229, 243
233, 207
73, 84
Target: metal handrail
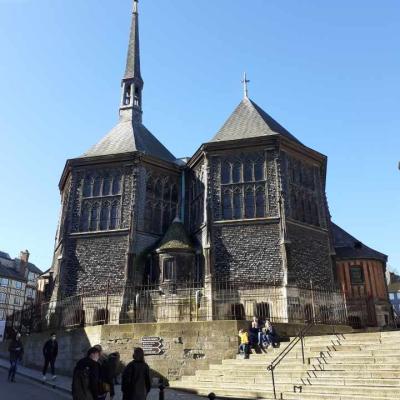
299, 338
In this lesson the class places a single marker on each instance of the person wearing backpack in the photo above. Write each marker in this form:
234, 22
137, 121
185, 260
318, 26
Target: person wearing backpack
86, 378
136, 383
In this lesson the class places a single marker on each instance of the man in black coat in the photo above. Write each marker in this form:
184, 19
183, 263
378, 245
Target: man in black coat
50, 351
86, 378
16, 350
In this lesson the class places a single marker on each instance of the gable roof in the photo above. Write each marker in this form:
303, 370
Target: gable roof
249, 120
129, 136
348, 247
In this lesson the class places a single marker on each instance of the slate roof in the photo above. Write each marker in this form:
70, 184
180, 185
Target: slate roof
348, 247
128, 136
10, 273
176, 238
249, 120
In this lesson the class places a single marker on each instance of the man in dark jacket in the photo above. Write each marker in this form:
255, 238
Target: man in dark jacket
16, 350
86, 378
50, 351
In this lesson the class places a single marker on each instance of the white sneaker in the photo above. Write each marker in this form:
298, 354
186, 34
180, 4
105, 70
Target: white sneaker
54, 377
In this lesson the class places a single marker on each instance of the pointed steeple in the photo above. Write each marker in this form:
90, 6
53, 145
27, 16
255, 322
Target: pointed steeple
132, 83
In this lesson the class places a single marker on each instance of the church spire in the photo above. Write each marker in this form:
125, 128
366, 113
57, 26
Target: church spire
132, 83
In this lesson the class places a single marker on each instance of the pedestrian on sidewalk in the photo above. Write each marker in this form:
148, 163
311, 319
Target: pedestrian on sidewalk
136, 383
16, 350
86, 378
50, 351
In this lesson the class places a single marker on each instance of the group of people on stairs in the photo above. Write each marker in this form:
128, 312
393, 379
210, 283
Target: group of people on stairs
259, 337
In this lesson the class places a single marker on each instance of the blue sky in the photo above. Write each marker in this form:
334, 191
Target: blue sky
327, 71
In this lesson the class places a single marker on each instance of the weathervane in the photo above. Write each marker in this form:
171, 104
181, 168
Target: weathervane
245, 82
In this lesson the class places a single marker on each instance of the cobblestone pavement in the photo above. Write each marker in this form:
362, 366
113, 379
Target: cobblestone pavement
33, 389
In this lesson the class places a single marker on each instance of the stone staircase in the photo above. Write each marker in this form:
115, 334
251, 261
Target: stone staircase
338, 367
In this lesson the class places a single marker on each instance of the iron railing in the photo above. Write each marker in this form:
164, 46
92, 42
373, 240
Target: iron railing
192, 301
299, 338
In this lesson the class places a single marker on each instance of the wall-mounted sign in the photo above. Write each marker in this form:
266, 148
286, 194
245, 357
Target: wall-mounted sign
152, 345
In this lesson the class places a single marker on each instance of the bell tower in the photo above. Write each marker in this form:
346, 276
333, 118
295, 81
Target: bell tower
132, 83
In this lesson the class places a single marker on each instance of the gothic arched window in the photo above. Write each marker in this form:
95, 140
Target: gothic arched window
104, 216
237, 172
259, 171
116, 185
114, 215
96, 186
94, 217
260, 202
157, 218
84, 221
106, 185
148, 216
248, 171
237, 204
174, 195
166, 217
158, 190
167, 192
87, 187
249, 203
227, 204
225, 172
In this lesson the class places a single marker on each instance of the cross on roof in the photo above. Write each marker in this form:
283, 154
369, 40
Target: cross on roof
245, 82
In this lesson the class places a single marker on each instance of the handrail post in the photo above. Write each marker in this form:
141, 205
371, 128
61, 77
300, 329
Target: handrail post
302, 348
273, 380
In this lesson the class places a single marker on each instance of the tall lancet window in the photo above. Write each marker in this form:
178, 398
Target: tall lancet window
101, 192
243, 194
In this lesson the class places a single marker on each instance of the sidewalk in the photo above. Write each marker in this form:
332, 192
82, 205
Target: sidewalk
63, 383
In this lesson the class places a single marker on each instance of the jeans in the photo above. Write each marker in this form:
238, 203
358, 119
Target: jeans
48, 361
13, 369
244, 348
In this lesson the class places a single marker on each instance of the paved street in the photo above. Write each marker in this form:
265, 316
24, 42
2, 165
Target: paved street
26, 389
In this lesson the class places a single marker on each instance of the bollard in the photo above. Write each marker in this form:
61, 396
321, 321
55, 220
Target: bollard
212, 396
161, 387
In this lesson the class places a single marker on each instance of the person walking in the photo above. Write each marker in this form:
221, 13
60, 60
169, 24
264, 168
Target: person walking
86, 377
50, 351
136, 383
16, 350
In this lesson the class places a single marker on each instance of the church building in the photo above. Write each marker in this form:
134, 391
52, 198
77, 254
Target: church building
249, 206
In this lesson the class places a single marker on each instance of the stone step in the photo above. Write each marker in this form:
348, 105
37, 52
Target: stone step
290, 380
385, 392
335, 352
349, 381
304, 367
318, 396
378, 374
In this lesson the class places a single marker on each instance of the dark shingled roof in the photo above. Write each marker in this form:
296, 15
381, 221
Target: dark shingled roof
128, 136
10, 273
176, 238
348, 247
249, 120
